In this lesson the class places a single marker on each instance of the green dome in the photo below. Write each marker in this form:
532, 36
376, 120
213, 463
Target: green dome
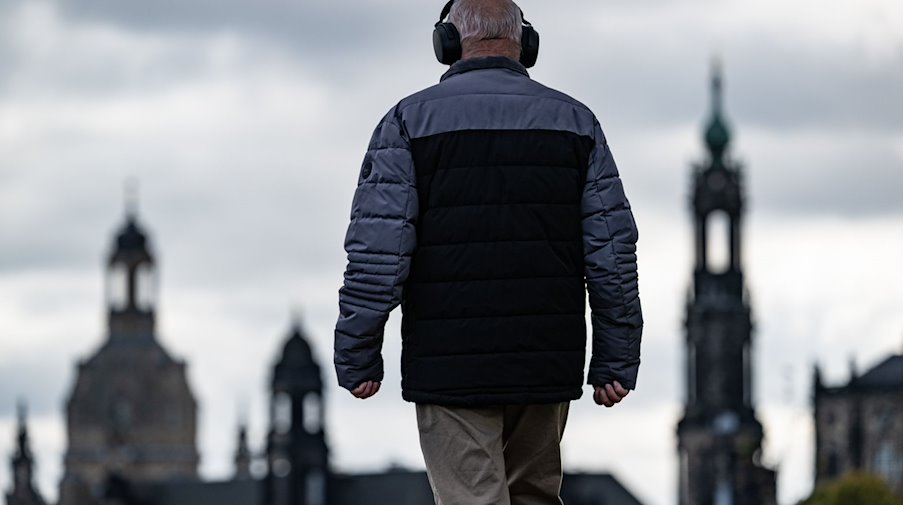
717, 136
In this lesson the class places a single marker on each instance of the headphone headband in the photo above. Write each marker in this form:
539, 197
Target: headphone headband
448, 6
446, 10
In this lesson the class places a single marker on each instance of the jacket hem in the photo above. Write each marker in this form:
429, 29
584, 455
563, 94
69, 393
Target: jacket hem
489, 399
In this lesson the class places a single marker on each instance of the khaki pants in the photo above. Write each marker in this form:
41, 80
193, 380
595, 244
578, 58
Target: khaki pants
506, 455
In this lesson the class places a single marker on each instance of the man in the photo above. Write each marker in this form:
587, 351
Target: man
488, 205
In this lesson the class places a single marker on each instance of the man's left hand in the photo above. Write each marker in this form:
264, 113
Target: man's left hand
610, 394
366, 390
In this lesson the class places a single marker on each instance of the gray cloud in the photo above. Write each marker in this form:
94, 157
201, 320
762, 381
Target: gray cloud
862, 179
41, 381
330, 30
774, 79
770, 83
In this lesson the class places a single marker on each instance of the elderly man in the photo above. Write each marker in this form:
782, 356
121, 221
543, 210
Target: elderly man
487, 206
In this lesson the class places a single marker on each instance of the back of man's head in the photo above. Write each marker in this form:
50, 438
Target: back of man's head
488, 27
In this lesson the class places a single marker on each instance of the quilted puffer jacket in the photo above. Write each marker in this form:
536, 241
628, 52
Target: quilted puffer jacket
488, 206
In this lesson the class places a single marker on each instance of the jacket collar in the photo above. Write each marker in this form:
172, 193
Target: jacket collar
482, 63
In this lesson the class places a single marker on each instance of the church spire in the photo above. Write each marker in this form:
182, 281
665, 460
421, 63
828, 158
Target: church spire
717, 134
242, 454
23, 491
719, 435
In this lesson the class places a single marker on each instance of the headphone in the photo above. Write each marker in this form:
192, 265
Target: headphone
447, 40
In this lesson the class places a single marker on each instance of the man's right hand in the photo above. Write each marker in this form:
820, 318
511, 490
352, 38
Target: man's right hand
610, 394
366, 390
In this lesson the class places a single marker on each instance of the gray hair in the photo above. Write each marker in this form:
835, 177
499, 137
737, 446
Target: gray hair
484, 20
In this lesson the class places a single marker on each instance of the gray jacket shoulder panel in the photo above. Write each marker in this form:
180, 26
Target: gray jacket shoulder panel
492, 98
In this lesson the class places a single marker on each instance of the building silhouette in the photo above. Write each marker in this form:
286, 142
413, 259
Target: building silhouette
296, 444
719, 437
131, 423
859, 425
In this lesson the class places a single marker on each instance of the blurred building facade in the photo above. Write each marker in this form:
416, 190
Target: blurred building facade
131, 424
131, 414
719, 436
859, 425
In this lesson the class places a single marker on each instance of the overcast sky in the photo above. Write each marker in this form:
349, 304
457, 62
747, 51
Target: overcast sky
246, 121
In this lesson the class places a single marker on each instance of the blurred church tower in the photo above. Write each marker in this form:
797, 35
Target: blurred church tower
23, 490
719, 436
131, 414
296, 445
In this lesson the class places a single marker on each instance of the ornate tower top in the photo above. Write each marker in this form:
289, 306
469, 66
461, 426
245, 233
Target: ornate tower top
131, 244
717, 198
131, 285
23, 491
296, 370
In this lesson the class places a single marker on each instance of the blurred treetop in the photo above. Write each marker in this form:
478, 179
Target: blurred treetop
854, 489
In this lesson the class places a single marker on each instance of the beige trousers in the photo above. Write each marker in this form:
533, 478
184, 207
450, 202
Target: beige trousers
506, 455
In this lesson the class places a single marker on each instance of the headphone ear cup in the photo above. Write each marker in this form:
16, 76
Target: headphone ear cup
446, 43
529, 46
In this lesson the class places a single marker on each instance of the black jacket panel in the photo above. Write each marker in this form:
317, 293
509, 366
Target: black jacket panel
494, 304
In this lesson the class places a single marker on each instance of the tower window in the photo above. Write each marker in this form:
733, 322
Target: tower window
747, 379
718, 242
118, 287
122, 413
145, 287
833, 465
888, 464
282, 467
312, 413
691, 374
316, 488
282, 413
724, 492
684, 477
121, 417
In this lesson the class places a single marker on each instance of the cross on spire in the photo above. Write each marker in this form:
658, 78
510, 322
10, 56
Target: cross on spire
716, 86
131, 196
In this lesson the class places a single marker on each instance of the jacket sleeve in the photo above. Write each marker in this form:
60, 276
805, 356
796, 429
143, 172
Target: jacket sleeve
609, 243
379, 243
